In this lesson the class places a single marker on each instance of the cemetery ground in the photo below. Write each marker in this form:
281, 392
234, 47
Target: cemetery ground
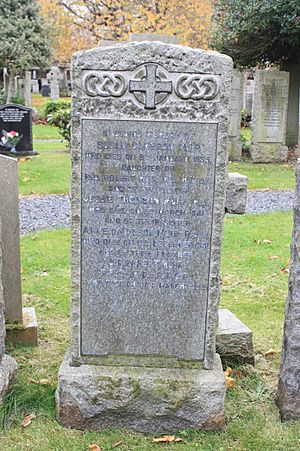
255, 261
254, 285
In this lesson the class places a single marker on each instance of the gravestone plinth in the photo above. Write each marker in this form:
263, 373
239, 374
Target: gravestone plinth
17, 318
149, 141
16, 130
8, 365
288, 394
235, 112
269, 117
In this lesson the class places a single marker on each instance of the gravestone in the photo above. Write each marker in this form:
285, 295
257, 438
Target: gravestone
288, 394
11, 275
54, 77
27, 88
235, 110
8, 365
16, 118
149, 154
248, 92
166, 38
269, 115
35, 86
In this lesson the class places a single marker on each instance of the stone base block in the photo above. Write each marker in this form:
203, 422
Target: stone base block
234, 341
150, 400
235, 148
268, 153
25, 333
8, 371
236, 193
288, 401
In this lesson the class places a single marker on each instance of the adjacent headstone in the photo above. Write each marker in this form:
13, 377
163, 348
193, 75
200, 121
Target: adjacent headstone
149, 149
54, 77
35, 86
8, 365
166, 38
236, 193
21, 320
16, 119
235, 109
45, 90
27, 88
234, 340
269, 116
293, 116
288, 394
248, 92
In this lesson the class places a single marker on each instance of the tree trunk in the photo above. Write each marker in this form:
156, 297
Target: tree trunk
11, 86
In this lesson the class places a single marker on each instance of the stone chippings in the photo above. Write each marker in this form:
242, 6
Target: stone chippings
288, 395
151, 400
236, 193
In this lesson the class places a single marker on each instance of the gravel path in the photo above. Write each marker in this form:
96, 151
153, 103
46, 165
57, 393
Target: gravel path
37, 213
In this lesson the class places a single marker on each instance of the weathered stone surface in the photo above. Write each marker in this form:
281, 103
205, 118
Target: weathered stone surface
288, 395
236, 193
149, 150
269, 116
153, 400
2, 319
234, 341
26, 332
54, 77
235, 109
9, 215
8, 371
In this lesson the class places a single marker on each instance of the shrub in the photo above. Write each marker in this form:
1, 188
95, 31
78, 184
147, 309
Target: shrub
2, 97
53, 106
245, 118
18, 98
61, 118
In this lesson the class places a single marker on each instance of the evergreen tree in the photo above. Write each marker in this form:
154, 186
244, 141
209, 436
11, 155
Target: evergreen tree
255, 32
25, 40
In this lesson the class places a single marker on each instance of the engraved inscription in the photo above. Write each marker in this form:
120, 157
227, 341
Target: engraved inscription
147, 203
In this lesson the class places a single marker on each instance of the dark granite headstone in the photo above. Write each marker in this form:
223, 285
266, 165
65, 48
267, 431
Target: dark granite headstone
45, 91
18, 119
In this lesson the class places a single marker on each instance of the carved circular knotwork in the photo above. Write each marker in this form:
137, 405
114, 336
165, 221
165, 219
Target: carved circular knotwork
104, 84
197, 87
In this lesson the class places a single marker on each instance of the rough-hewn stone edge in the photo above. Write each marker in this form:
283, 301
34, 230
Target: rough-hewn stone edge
178, 58
8, 371
288, 402
236, 193
150, 400
2, 319
268, 153
26, 332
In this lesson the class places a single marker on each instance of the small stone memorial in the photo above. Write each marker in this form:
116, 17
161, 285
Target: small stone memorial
16, 130
149, 154
8, 365
269, 116
235, 110
288, 394
23, 327
54, 77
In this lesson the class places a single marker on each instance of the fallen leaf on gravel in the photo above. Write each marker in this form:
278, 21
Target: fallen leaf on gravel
94, 447
270, 352
167, 439
116, 444
27, 420
273, 257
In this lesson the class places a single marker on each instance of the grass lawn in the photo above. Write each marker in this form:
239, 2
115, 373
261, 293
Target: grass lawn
40, 131
253, 286
46, 173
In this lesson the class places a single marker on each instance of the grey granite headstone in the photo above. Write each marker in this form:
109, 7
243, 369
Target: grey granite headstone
8, 365
248, 92
54, 77
9, 215
235, 110
269, 116
166, 38
27, 88
288, 394
149, 139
